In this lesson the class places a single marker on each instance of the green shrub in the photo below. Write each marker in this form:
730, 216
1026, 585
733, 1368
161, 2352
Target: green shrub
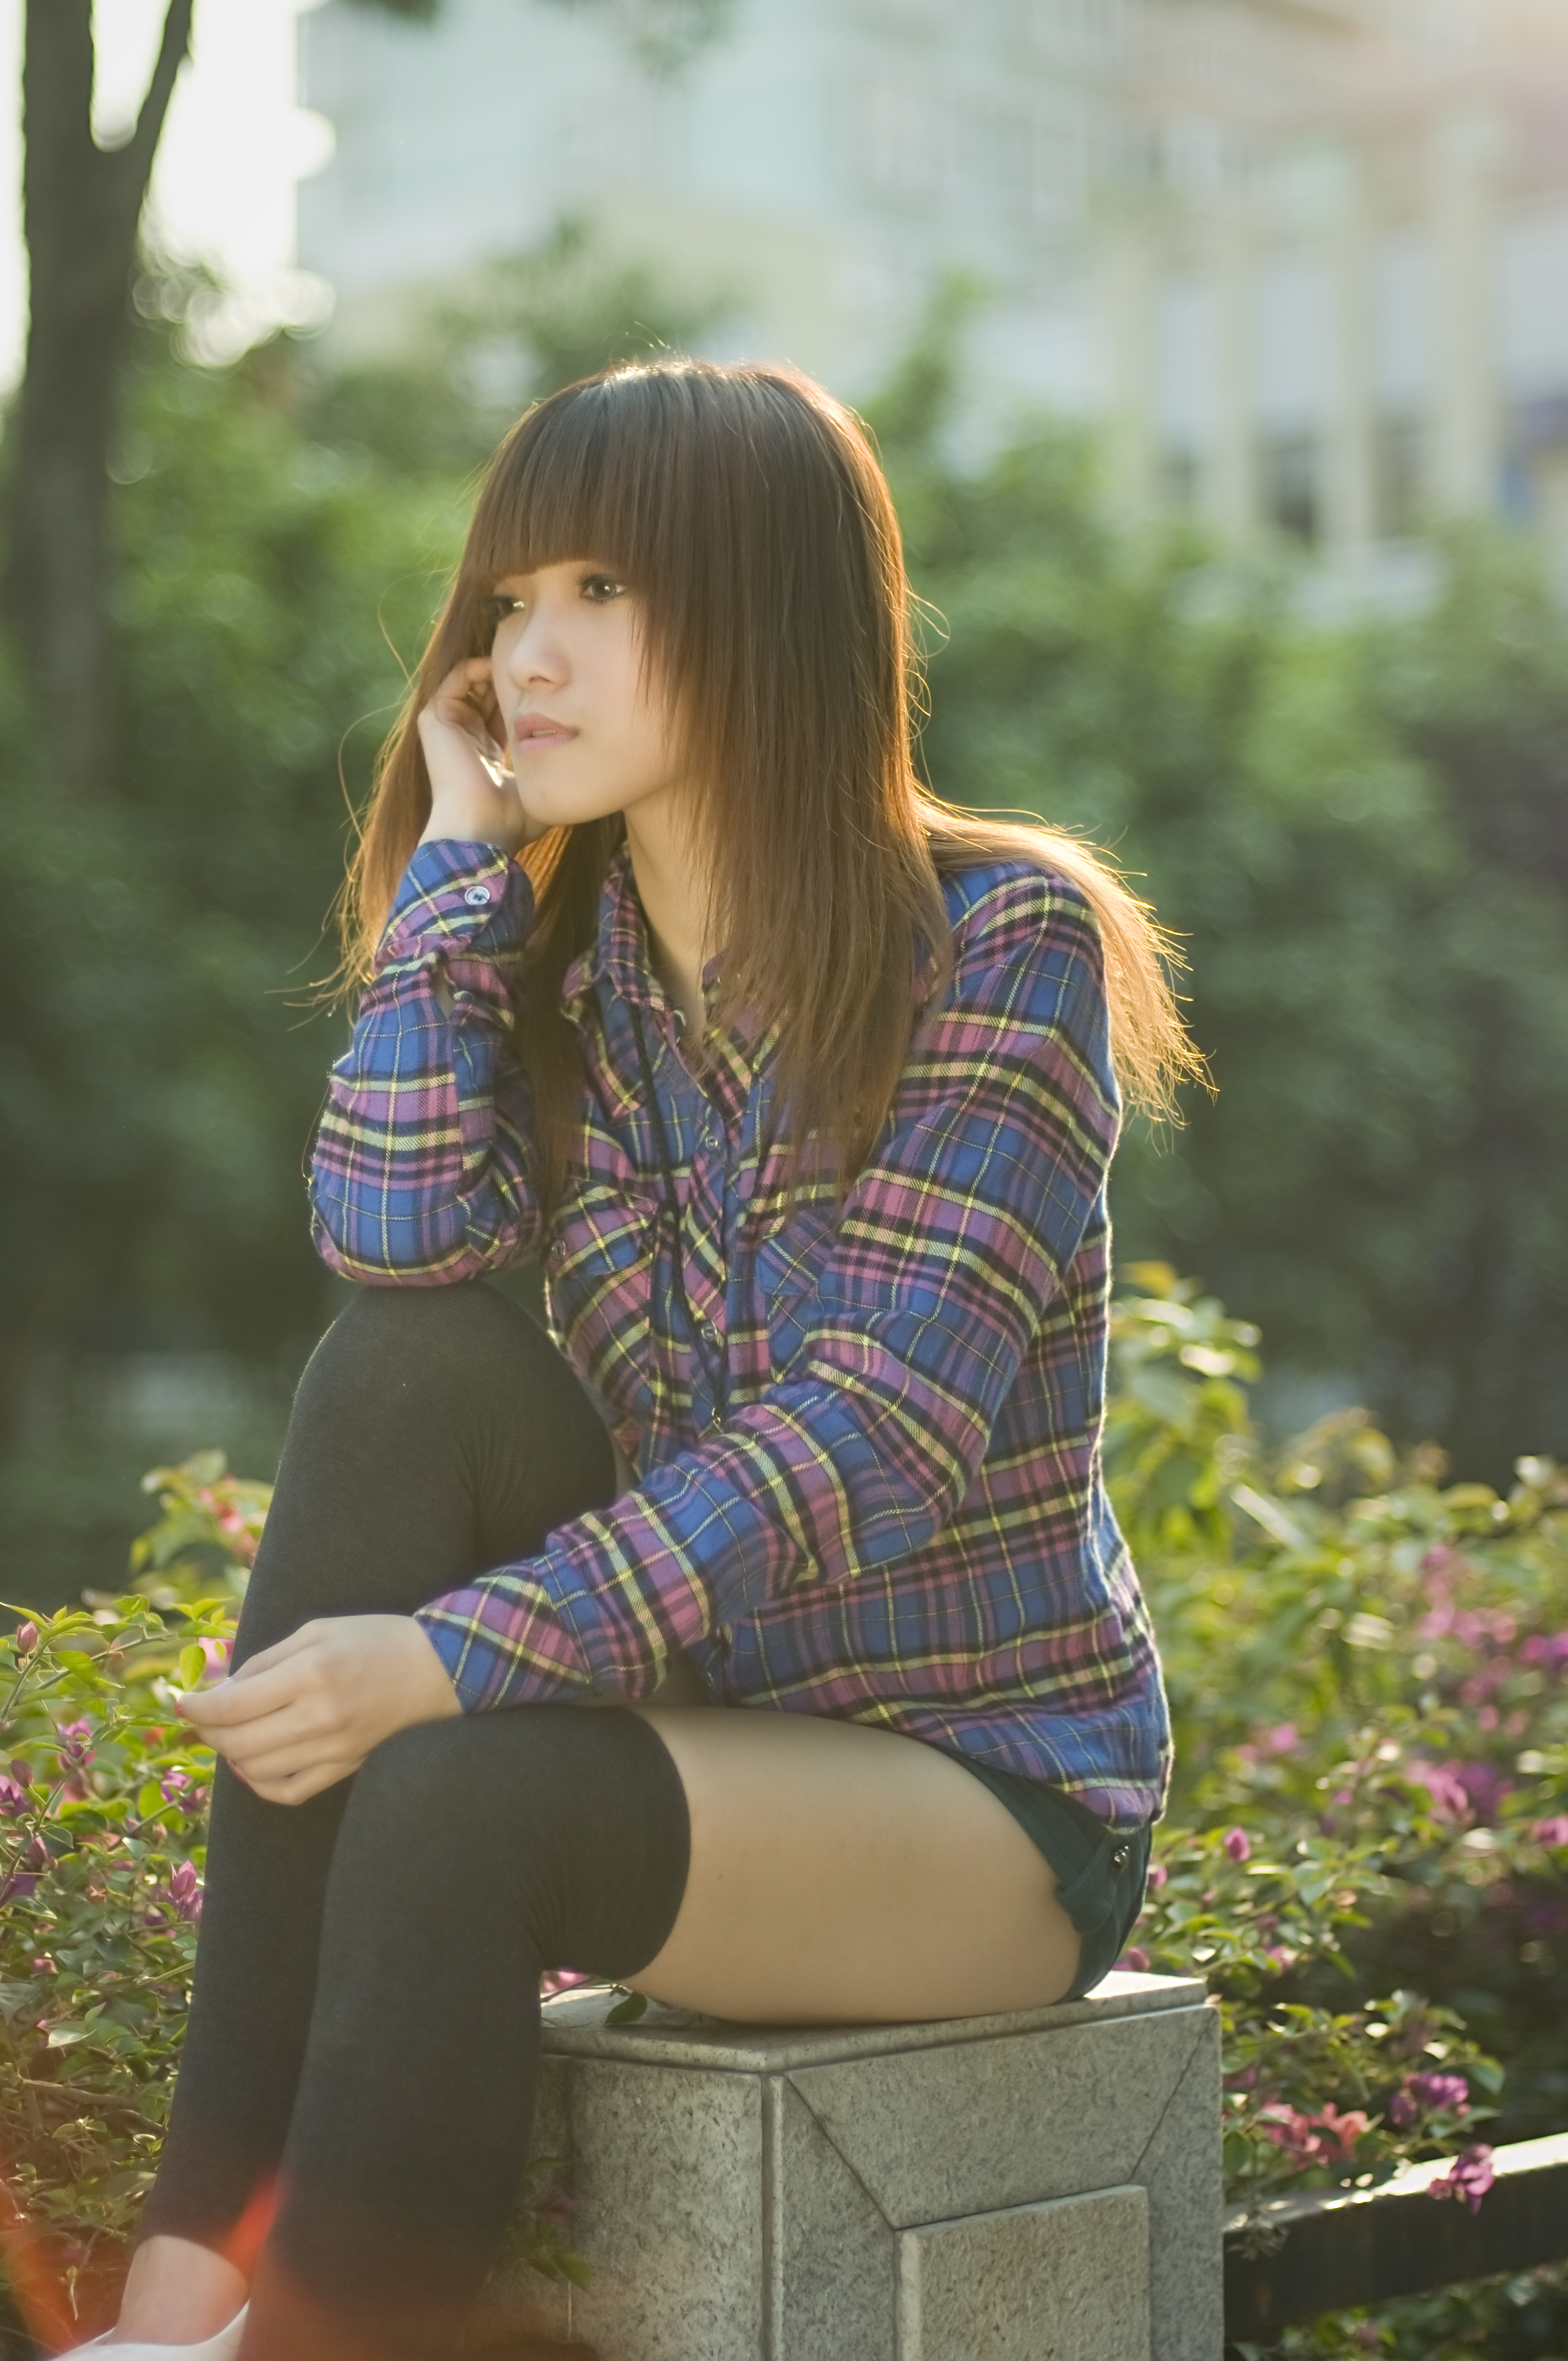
1369, 1673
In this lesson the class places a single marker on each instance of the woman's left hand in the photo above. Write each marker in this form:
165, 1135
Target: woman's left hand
302, 1715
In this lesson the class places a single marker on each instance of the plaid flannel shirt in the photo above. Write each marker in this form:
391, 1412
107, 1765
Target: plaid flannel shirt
869, 1470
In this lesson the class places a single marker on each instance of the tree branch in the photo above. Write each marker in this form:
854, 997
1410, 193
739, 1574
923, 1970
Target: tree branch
172, 52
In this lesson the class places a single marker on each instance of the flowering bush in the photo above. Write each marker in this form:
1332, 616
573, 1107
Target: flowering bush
1366, 1849
103, 1803
1364, 1856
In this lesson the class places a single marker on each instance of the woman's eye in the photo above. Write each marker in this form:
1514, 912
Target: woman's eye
493, 612
600, 588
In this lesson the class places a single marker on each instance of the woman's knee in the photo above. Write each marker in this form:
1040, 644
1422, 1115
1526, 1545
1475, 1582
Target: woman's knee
392, 1346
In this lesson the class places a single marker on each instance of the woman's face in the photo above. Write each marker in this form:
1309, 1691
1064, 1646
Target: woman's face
585, 735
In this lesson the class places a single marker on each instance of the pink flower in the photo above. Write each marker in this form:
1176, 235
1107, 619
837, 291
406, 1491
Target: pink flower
13, 1798
1402, 2111
1285, 1739
1158, 1874
1310, 2139
1135, 1959
183, 1895
1470, 2177
1238, 1844
1292, 2131
25, 1638
216, 1653
1343, 2130
1547, 1832
1449, 1797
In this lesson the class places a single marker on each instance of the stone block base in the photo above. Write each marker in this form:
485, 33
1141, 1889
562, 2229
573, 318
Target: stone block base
1042, 2187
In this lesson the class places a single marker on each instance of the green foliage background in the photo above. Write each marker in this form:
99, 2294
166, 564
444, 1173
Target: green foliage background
1357, 830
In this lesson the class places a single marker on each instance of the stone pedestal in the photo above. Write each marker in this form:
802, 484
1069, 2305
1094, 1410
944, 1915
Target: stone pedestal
1042, 2187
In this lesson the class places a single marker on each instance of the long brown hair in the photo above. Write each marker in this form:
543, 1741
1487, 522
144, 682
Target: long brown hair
746, 509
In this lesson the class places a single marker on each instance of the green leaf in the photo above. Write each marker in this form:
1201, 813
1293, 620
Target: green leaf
190, 1665
627, 2011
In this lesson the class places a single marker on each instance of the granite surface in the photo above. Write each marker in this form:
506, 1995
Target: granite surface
1042, 2187
1066, 2281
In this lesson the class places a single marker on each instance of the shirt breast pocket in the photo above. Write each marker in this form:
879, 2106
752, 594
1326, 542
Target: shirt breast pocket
598, 1278
789, 1268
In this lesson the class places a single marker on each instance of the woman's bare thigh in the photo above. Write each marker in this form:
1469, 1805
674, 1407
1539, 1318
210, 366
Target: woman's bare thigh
840, 1873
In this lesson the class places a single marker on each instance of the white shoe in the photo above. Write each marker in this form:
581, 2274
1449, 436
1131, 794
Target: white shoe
221, 2347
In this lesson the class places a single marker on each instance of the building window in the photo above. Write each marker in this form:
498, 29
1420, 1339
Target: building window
1181, 480
912, 144
1398, 479
1289, 472
1535, 476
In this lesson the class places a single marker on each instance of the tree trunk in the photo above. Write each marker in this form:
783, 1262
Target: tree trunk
82, 209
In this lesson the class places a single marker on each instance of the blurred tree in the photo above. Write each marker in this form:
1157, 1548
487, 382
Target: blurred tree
82, 214
525, 324
80, 209
1361, 834
280, 540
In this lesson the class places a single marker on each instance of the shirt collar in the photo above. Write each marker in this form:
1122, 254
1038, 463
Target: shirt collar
618, 952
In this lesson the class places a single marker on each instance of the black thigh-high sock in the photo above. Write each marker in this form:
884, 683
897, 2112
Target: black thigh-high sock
436, 1431
471, 1855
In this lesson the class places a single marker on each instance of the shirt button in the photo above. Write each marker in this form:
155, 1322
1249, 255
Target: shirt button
709, 1333
557, 1254
1119, 1858
709, 1137
477, 896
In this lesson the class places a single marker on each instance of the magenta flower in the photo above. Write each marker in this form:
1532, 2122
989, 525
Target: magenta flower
16, 1889
1158, 1874
1285, 1739
1238, 1844
1135, 1959
13, 1798
1547, 1832
216, 1653
1439, 2090
1469, 2177
1402, 2111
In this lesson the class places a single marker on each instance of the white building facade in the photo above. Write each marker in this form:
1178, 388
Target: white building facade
1305, 261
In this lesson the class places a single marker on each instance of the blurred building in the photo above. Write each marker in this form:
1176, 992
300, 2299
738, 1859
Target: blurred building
1339, 279
821, 165
1306, 259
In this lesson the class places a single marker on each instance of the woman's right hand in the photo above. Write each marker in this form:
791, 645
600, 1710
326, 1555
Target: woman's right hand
473, 795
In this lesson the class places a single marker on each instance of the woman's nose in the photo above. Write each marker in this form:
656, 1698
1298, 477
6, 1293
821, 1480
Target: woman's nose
536, 654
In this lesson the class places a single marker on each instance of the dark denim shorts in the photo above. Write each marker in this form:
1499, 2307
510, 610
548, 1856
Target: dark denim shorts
1102, 1872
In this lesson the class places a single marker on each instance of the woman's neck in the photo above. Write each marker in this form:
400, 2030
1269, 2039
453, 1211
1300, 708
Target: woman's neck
674, 895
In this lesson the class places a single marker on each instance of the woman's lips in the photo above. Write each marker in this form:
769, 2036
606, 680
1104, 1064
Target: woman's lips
535, 732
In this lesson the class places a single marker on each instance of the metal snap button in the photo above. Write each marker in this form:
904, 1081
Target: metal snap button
557, 1253
477, 896
1119, 1858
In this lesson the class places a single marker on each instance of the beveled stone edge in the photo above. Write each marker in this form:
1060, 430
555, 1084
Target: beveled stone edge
574, 2027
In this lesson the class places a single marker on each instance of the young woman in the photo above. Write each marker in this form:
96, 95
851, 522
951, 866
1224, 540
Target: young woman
802, 1088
